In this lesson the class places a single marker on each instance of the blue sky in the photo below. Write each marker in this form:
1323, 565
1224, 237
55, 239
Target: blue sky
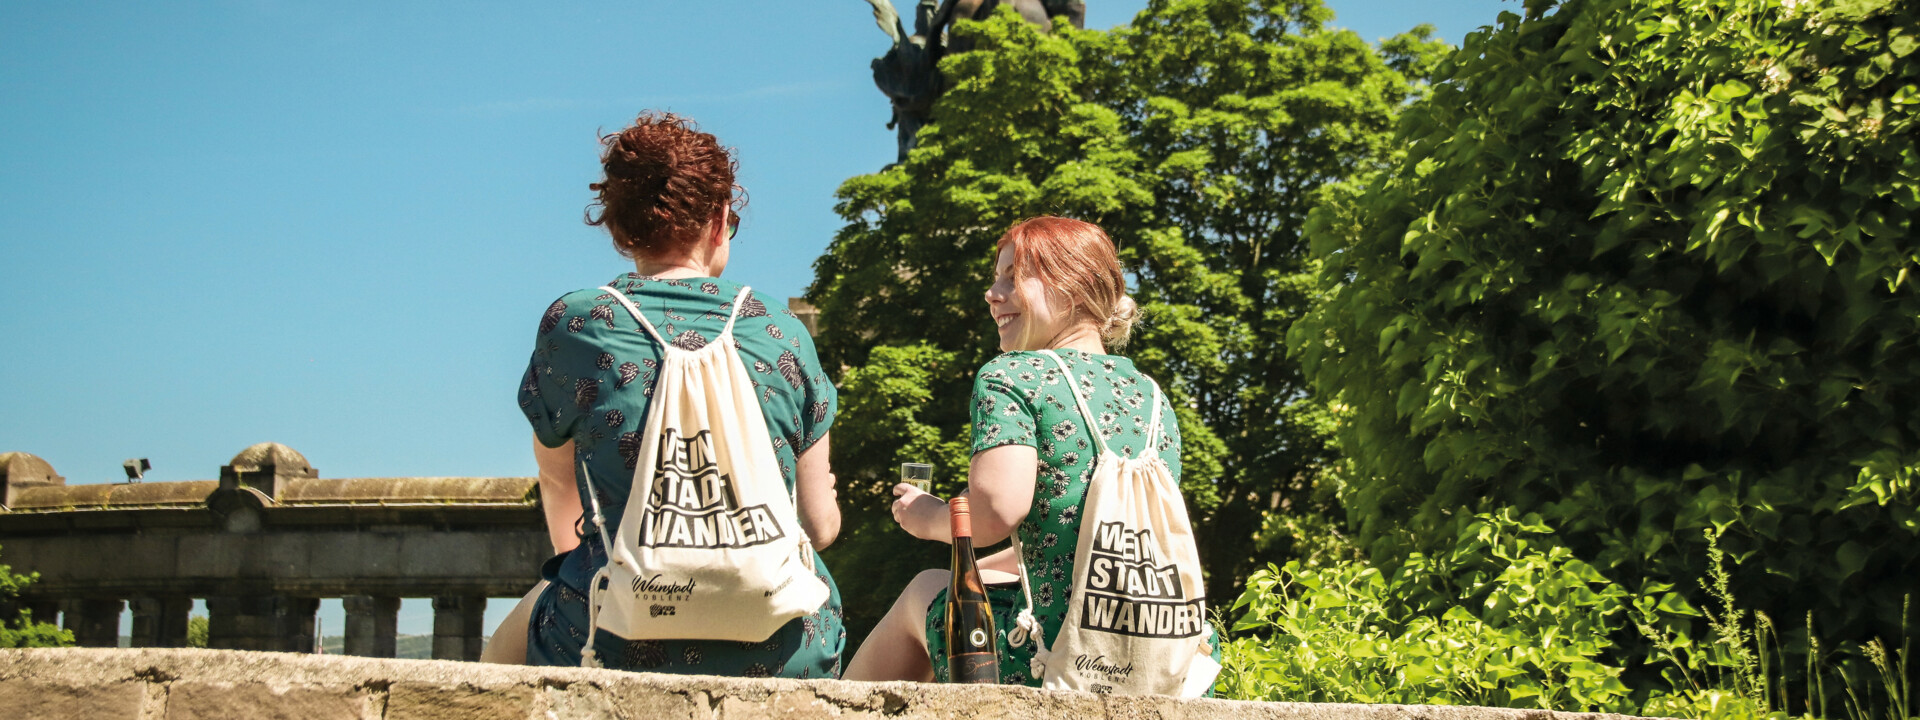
334, 225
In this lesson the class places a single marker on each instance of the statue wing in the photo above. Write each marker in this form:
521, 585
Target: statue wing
888, 19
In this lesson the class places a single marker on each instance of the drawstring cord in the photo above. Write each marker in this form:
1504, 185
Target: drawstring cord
1026, 626
596, 590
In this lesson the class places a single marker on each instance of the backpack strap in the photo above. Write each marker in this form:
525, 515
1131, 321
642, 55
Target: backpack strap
635, 311
739, 301
588, 657
1026, 626
1154, 428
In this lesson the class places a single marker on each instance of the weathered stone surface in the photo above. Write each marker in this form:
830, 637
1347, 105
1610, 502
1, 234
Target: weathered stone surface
272, 455
434, 701
634, 701
21, 472
65, 683
501, 562
424, 490
34, 698
197, 700
27, 469
114, 496
561, 702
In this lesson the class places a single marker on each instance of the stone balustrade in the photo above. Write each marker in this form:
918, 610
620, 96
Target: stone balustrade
262, 546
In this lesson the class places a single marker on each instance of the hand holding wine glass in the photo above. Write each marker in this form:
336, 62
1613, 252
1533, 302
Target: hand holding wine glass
920, 514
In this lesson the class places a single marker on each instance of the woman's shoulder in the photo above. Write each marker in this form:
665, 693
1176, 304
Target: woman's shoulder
596, 301
572, 309
1011, 366
1021, 361
763, 305
764, 324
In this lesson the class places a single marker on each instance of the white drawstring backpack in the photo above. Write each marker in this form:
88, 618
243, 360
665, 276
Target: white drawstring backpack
710, 546
1136, 620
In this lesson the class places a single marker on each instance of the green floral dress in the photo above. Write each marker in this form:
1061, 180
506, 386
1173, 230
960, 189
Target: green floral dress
1020, 398
591, 380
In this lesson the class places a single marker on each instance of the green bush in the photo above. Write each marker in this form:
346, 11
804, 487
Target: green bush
1645, 269
1506, 618
25, 631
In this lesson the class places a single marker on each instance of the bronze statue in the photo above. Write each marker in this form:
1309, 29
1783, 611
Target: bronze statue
909, 73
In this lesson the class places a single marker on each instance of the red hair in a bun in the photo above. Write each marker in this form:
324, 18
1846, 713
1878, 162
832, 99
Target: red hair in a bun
1077, 259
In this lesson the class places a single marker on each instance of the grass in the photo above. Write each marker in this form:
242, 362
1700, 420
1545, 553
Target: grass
1747, 661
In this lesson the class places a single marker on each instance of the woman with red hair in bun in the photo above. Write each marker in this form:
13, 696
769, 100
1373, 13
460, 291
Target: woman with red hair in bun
669, 200
1058, 287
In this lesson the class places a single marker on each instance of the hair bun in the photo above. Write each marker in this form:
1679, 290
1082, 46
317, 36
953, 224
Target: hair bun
663, 181
1120, 321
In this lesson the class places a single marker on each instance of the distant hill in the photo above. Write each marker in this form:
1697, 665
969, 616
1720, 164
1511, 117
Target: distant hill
406, 647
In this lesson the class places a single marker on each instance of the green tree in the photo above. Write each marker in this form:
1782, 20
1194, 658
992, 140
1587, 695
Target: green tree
24, 631
197, 631
1198, 137
1644, 269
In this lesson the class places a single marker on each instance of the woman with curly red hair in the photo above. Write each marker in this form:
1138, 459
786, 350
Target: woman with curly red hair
670, 202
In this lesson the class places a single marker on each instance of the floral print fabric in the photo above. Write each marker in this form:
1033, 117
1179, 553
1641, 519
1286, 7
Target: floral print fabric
590, 380
1021, 398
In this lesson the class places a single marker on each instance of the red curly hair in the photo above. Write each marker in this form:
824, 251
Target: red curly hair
664, 180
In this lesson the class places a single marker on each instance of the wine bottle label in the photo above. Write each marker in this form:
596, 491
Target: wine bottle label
970, 634
974, 668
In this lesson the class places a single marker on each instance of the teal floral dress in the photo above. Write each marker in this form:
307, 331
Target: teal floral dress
1019, 398
590, 380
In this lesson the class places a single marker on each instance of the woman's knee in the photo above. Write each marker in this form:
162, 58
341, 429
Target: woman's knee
508, 644
928, 584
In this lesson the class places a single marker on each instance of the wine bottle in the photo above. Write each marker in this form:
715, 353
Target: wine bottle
973, 655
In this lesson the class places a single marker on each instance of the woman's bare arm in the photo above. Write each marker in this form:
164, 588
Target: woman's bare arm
1000, 490
819, 502
559, 496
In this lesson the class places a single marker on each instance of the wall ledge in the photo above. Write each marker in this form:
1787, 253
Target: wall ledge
182, 684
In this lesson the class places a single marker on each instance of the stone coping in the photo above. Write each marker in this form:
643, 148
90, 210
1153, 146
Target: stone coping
180, 684
298, 492
114, 496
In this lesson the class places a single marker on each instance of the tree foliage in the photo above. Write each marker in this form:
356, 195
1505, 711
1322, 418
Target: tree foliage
24, 631
197, 631
1198, 137
1645, 269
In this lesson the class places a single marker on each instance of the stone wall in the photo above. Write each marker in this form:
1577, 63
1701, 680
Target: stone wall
263, 545
175, 684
